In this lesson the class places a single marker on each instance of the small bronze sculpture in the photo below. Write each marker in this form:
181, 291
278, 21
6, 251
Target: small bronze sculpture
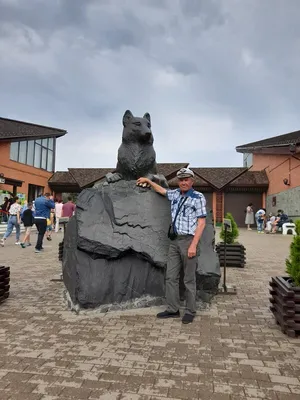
136, 155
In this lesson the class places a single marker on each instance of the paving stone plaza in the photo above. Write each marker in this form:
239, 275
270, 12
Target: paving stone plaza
233, 350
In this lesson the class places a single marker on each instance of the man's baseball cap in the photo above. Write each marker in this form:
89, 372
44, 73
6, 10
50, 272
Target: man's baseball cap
185, 173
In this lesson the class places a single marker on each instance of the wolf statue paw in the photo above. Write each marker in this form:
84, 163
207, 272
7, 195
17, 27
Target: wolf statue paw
157, 178
113, 177
160, 180
145, 185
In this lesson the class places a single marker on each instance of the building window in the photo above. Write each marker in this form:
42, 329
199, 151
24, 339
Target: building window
37, 156
38, 153
30, 152
22, 152
247, 160
14, 151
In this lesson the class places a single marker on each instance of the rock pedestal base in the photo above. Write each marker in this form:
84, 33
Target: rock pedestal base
116, 247
4, 283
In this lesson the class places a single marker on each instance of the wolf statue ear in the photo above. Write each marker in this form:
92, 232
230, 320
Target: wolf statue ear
127, 117
147, 116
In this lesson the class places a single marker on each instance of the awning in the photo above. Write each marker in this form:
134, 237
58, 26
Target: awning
10, 181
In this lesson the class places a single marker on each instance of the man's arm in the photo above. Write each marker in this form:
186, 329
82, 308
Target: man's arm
201, 222
159, 189
50, 204
192, 250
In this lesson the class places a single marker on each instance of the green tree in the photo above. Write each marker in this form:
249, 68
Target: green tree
293, 263
231, 236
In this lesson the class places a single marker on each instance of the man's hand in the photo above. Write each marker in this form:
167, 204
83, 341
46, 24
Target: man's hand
144, 182
192, 251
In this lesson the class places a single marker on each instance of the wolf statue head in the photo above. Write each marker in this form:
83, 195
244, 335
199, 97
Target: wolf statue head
136, 129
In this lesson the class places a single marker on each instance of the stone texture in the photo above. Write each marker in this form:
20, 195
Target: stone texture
116, 247
45, 348
287, 201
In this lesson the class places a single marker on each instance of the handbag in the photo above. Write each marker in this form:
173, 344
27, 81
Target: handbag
172, 235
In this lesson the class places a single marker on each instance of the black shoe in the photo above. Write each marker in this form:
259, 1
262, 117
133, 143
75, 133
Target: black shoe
168, 314
187, 318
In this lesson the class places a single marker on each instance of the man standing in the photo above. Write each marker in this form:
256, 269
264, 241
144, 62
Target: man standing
188, 209
68, 208
43, 206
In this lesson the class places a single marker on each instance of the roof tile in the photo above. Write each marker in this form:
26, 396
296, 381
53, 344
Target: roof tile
255, 178
62, 177
219, 177
87, 176
11, 129
169, 170
281, 140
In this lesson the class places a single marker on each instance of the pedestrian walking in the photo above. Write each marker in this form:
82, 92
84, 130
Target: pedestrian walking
14, 221
43, 206
28, 220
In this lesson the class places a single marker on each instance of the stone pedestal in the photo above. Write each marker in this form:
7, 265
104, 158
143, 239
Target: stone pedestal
116, 247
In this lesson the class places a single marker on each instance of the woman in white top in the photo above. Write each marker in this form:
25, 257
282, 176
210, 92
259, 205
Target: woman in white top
249, 220
14, 221
58, 213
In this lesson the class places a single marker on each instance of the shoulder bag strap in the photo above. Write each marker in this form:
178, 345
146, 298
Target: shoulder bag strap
178, 209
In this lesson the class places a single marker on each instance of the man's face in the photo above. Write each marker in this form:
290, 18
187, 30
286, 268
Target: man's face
185, 184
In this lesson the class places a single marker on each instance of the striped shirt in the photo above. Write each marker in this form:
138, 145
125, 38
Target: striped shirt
193, 208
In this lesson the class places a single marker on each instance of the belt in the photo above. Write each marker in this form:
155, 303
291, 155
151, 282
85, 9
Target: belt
13, 215
184, 236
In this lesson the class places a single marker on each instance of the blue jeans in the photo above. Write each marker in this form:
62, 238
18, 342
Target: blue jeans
260, 225
12, 222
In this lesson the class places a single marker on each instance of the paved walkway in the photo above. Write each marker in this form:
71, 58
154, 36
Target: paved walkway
233, 351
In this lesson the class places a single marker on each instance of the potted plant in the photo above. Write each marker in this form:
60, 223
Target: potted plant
285, 291
4, 283
235, 252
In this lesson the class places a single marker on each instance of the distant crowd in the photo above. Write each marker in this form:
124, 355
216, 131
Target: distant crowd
44, 212
265, 223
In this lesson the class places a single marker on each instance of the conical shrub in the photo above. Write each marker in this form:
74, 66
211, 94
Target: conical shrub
293, 262
231, 236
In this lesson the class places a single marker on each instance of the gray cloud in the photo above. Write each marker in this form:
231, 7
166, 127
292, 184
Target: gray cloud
217, 73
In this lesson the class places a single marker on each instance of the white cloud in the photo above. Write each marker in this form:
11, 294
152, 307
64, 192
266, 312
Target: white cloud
216, 73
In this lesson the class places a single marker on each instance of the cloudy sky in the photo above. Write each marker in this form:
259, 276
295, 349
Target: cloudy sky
213, 74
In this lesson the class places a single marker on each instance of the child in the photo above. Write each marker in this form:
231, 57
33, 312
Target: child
28, 220
49, 229
260, 219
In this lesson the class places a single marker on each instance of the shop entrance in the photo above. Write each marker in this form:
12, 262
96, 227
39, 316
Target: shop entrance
34, 191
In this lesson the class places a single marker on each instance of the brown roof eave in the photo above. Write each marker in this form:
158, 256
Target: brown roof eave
32, 137
243, 149
262, 185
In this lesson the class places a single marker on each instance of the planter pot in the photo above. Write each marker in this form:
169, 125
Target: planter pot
60, 250
4, 283
235, 255
285, 306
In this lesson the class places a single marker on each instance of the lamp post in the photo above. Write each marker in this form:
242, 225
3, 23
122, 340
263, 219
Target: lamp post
225, 289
